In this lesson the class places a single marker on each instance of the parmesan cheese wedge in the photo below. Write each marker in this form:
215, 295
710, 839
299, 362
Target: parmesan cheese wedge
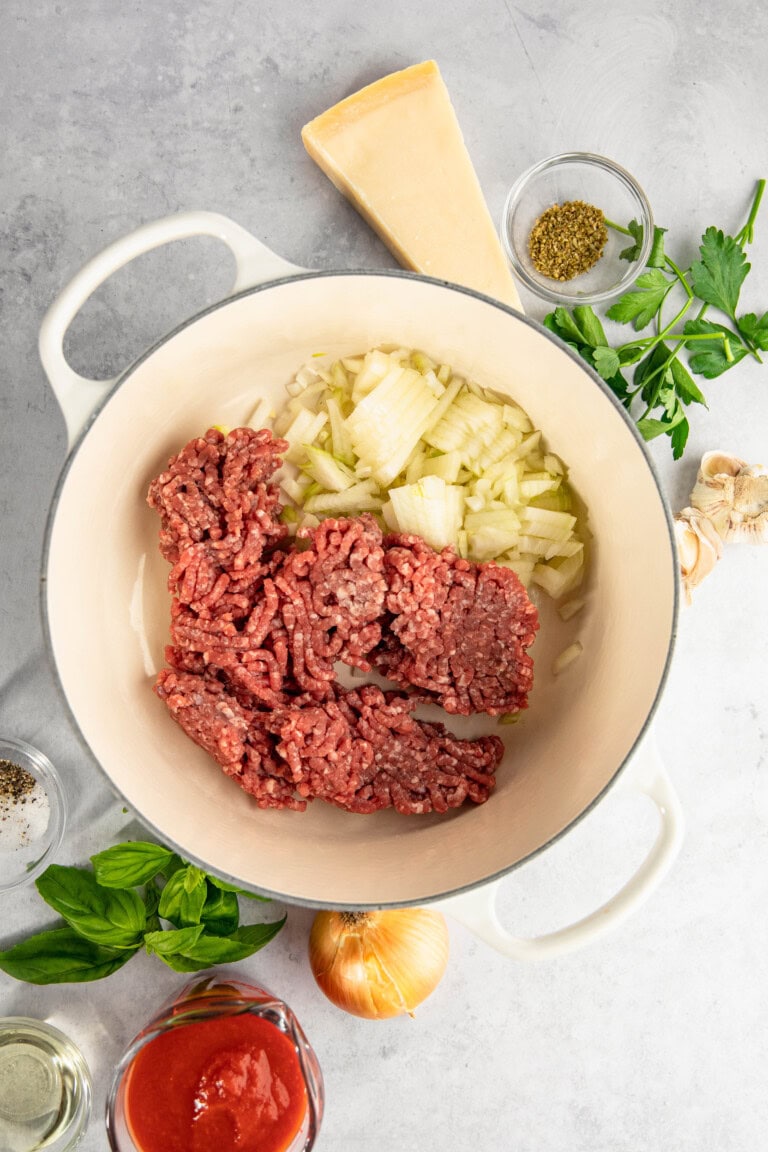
395, 150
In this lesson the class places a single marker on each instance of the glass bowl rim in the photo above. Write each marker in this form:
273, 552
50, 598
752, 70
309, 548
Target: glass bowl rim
82, 1117
593, 160
212, 1005
39, 765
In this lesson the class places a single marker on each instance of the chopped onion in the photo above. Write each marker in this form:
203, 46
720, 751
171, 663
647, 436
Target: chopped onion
429, 452
567, 656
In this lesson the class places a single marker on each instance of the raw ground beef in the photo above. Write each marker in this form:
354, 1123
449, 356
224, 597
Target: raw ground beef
457, 630
256, 629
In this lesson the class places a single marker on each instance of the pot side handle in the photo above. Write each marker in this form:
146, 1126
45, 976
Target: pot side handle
77, 395
645, 774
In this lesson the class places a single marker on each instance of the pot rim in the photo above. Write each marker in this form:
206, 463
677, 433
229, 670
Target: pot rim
393, 273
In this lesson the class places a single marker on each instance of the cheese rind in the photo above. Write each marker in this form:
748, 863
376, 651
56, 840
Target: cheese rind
396, 151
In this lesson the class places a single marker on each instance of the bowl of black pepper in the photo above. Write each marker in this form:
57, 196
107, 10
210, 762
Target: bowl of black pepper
577, 229
32, 813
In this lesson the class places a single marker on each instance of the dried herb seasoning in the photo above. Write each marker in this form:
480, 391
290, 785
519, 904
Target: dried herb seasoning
568, 239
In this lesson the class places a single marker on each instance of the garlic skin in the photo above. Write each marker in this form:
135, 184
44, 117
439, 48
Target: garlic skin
734, 497
699, 547
378, 964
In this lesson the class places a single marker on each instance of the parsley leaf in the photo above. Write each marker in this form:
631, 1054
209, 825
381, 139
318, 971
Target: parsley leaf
756, 331
684, 385
661, 379
606, 361
567, 327
590, 327
657, 257
717, 278
711, 357
641, 305
679, 438
631, 253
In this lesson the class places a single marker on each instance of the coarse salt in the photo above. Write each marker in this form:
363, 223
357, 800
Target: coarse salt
24, 808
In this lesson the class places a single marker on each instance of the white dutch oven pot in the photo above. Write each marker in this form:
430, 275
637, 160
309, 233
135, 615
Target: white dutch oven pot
106, 604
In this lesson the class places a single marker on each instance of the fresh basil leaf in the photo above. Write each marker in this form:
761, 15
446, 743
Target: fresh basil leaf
256, 936
657, 257
151, 904
61, 956
221, 911
180, 963
193, 878
227, 949
183, 897
227, 887
641, 304
709, 358
633, 251
115, 917
606, 361
588, 324
175, 864
129, 864
756, 331
717, 278
173, 940
193, 949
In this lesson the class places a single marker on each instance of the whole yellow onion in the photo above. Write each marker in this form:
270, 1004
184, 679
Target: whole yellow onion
378, 964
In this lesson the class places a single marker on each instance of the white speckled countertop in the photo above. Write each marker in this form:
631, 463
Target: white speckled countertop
112, 115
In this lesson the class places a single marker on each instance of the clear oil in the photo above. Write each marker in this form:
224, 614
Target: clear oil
44, 1088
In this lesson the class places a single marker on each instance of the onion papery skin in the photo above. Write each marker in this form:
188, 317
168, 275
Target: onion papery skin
378, 964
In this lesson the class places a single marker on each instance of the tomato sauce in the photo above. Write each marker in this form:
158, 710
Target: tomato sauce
233, 1084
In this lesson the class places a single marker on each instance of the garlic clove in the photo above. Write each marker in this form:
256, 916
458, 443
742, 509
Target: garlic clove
734, 496
720, 464
699, 547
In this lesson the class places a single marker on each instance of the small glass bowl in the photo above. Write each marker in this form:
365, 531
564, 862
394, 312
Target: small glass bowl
213, 995
597, 181
45, 1087
27, 846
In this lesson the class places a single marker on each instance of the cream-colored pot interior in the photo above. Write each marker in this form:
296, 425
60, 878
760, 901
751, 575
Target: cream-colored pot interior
107, 603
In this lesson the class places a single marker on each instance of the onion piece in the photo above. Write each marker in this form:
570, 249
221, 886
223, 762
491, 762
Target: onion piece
567, 656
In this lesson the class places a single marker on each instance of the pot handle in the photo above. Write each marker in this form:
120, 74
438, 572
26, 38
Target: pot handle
646, 774
77, 395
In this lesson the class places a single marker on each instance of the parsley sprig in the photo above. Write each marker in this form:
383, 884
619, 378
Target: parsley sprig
661, 386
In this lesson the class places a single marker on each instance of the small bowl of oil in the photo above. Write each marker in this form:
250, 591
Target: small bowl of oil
566, 229
45, 1087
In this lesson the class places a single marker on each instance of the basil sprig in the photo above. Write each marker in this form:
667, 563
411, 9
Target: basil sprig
111, 912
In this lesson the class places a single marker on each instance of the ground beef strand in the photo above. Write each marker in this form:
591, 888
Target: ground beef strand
216, 493
211, 716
